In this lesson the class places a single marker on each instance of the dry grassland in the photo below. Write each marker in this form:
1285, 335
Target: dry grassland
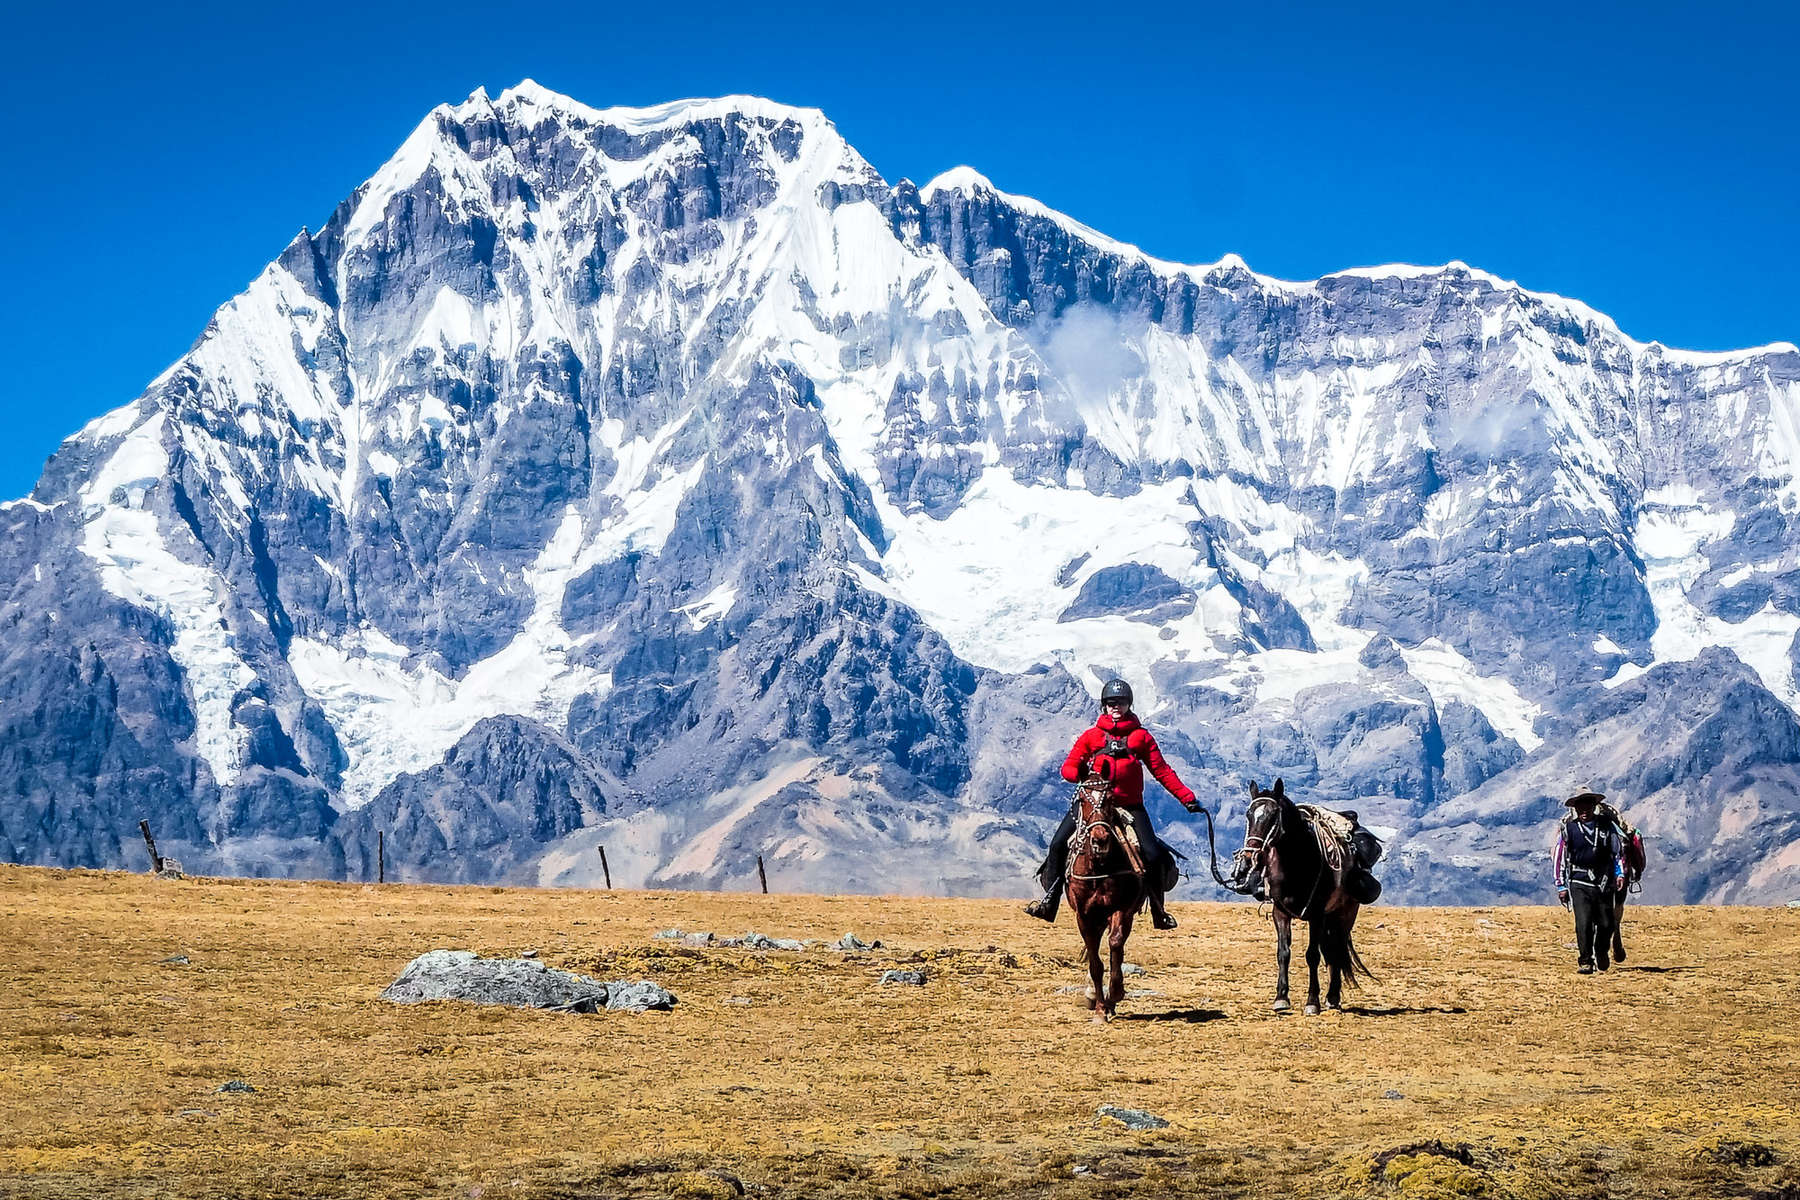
1478, 1064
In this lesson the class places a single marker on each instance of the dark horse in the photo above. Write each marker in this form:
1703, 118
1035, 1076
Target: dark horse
1635, 862
1105, 890
1304, 872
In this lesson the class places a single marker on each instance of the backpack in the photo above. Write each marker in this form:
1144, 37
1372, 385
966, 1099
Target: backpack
1590, 852
1632, 841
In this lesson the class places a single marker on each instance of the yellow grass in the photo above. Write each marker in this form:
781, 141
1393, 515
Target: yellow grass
795, 1075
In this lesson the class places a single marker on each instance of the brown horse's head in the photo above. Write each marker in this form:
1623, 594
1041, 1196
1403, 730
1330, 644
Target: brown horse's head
1094, 838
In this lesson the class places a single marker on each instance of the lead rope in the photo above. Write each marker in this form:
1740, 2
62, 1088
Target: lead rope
1212, 851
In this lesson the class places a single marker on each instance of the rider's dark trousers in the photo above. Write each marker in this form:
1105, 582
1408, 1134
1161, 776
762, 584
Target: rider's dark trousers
1058, 857
1594, 918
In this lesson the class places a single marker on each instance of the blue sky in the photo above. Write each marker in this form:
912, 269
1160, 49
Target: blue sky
1642, 158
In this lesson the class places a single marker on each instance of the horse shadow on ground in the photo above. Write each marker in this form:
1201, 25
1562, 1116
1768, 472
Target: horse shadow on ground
1655, 970
1357, 1010
1189, 1016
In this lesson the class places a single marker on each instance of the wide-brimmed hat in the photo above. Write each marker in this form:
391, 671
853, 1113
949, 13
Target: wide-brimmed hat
1584, 796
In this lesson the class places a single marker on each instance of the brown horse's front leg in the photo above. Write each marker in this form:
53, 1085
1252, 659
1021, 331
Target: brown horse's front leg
1284, 933
1090, 939
1119, 931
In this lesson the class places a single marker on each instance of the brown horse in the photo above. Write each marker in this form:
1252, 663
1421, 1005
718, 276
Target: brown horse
1303, 874
1105, 890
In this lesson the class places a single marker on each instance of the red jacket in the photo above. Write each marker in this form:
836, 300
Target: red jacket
1127, 774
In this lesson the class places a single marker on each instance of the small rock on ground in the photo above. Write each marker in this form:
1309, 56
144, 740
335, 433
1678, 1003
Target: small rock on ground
915, 978
760, 941
234, 1085
1132, 1118
641, 996
179, 960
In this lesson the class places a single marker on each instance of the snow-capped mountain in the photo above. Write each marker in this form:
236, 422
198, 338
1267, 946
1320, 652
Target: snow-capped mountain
666, 479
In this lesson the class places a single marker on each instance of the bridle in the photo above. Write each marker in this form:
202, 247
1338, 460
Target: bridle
1093, 810
1255, 854
1257, 848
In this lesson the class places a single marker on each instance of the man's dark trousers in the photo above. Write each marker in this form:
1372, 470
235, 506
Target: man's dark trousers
1593, 922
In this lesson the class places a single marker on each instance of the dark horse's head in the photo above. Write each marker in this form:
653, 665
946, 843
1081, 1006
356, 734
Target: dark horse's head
1263, 826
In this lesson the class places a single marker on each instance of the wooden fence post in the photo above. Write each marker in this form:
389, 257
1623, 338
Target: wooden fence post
762, 874
381, 856
155, 858
605, 869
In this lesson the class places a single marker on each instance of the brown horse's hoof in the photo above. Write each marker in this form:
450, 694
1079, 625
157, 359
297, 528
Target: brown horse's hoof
1282, 1005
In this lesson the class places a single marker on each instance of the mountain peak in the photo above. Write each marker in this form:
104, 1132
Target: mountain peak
528, 93
959, 179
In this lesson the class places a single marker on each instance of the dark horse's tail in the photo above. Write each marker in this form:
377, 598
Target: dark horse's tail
1339, 949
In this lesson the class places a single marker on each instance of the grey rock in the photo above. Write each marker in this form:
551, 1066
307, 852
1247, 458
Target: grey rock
234, 1085
913, 978
851, 942
179, 960
641, 996
1132, 1118
520, 983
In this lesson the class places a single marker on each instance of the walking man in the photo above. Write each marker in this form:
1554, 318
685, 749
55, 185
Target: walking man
1590, 872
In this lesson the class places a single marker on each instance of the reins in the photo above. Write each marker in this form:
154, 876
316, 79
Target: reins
1212, 852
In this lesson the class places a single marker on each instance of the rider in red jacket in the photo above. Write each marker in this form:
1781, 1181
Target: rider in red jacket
1116, 749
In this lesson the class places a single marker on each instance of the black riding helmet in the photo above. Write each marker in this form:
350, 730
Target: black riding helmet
1115, 689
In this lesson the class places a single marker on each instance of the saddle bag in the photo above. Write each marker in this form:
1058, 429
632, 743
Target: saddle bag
1363, 887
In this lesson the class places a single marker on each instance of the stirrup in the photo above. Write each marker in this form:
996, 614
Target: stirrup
1043, 910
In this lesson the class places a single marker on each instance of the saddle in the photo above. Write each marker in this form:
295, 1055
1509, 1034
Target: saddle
1141, 860
1344, 842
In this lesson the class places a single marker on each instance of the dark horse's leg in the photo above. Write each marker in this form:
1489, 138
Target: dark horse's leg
1284, 933
1341, 926
1313, 936
1618, 925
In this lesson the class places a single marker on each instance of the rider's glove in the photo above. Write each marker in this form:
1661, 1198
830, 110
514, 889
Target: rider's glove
1192, 806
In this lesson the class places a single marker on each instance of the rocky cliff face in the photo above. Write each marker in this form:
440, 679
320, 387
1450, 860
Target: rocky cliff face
666, 479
